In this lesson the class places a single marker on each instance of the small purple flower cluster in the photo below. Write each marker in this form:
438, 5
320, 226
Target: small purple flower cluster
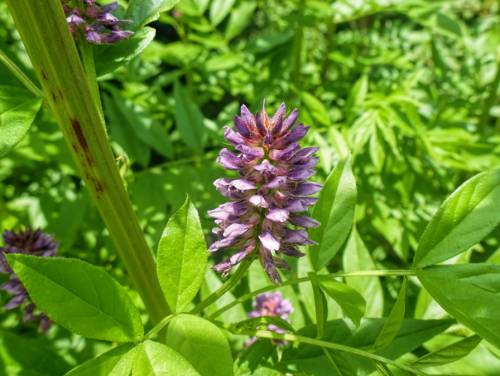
270, 192
270, 304
31, 242
96, 22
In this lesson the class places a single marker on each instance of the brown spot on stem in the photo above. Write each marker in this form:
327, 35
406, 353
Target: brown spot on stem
44, 75
77, 128
96, 183
54, 96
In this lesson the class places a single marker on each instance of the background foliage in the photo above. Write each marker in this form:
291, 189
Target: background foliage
403, 85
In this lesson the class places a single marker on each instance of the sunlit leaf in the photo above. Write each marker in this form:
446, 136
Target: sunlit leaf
468, 292
18, 109
335, 212
202, 343
78, 296
464, 219
182, 257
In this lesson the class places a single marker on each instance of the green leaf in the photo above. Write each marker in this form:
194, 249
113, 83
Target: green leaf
182, 257
141, 123
110, 57
465, 218
116, 362
315, 108
188, 118
239, 19
202, 343
142, 12
356, 257
468, 292
352, 303
219, 10
357, 95
335, 212
122, 132
18, 109
24, 356
80, 297
394, 321
312, 360
155, 359
448, 354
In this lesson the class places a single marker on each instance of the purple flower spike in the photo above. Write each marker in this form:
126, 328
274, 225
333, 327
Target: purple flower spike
30, 242
269, 193
270, 304
96, 22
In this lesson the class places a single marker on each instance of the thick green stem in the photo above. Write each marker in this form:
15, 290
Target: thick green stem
19, 74
87, 55
43, 29
365, 273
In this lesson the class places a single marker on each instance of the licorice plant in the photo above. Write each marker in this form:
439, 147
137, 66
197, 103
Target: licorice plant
262, 292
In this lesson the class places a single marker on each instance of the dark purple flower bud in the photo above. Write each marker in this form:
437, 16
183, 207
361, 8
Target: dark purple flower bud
97, 23
270, 304
107, 19
307, 189
304, 221
31, 242
300, 204
296, 134
290, 121
241, 126
297, 237
116, 36
273, 171
233, 137
277, 119
285, 154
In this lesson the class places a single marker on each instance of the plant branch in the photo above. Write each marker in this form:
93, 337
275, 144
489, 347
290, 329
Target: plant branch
50, 46
158, 327
20, 75
228, 285
365, 273
329, 345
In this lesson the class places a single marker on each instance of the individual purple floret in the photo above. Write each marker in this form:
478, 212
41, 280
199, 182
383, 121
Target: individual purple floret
95, 22
30, 242
262, 215
270, 304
